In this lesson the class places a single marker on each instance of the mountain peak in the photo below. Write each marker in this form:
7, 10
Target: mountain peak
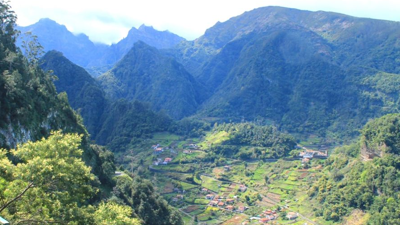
145, 74
143, 27
46, 20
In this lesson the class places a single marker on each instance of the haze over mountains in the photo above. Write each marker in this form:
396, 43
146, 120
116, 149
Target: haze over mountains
259, 109
94, 57
313, 72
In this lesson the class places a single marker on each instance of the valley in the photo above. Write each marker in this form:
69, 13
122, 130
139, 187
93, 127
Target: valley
275, 116
223, 190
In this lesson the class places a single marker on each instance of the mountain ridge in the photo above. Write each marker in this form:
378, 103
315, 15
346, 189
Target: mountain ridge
97, 58
112, 123
303, 70
145, 74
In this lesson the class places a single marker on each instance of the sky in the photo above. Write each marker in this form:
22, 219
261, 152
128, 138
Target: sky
108, 21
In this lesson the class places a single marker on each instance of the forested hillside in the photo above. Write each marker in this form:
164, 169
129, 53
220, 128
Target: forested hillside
146, 75
111, 122
353, 180
146, 34
309, 72
248, 141
49, 171
84, 93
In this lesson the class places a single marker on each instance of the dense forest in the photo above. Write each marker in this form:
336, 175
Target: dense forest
162, 123
49, 176
353, 183
250, 141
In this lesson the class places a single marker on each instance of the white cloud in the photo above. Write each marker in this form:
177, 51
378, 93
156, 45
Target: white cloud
109, 21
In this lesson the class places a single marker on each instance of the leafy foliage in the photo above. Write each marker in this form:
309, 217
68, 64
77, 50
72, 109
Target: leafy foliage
84, 93
246, 140
353, 184
112, 213
382, 135
51, 184
147, 204
125, 123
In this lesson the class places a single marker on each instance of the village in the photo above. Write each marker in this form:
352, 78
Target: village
221, 194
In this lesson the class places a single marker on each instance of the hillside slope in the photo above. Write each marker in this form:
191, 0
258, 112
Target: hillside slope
146, 75
307, 72
84, 93
115, 123
353, 181
146, 34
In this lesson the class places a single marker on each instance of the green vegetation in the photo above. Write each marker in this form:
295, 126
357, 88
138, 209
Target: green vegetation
146, 203
84, 94
144, 74
112, 213
247, 141
51, 184
115, 124
60, 178
301, 72
372, 185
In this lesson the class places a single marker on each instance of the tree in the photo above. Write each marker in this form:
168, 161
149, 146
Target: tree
111, 213
7, 24
150, 207
33, 50
48, 183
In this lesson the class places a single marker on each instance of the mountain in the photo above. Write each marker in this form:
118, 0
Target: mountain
31, 108
84, 93
307, 72
115, 123
53, 36
145, 74
345, 33
94, 57
358, 180
146, 34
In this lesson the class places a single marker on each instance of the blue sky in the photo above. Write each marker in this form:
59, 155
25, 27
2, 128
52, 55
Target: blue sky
109, 21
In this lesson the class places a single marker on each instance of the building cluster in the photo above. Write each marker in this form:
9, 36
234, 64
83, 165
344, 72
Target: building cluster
157, 150
307, 155
225, 203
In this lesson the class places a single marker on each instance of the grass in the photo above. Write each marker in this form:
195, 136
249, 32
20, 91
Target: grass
187, 186
190, 156
215, 139
210, 183
197, 211
201, 201
207, 214
165, 136
285, 182
186, 219
259, 173
236, 219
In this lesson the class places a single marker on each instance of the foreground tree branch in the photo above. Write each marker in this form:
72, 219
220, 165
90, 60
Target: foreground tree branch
17, 197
